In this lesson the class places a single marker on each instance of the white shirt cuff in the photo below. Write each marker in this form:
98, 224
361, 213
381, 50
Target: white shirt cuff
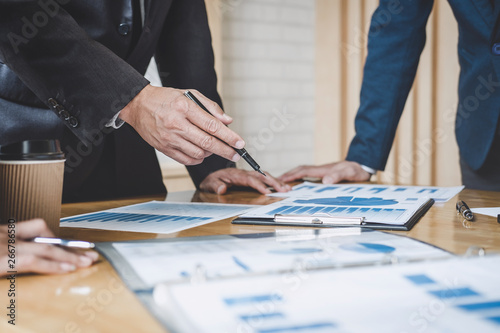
115, 122
368, 169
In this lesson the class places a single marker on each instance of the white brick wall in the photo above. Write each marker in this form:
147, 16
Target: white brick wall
268, 78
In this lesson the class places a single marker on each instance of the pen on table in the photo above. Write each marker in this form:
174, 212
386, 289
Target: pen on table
242, 152
64, 242
463, 209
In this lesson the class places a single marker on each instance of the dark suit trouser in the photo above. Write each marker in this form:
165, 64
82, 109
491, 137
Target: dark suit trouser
488, 176
120, 164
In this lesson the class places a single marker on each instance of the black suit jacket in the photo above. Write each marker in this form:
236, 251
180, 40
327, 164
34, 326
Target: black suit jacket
67, 67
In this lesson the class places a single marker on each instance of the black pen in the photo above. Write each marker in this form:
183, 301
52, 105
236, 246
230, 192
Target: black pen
463, 209
242, 152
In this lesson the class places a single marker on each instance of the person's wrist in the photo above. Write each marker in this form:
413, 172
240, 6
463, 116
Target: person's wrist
371, 171
127, 114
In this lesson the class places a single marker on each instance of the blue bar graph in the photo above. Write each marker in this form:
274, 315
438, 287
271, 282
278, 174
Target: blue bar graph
453, 293
261, 316
348, 201
279, 210
326, 189
352, 189
495, 319
368, 213
420, 279
303, 209
244, 300
315, 190
430, 190
315, 210
291, 210
299, 328
155, 217
378, 189
480, 306
351, 210
305, 187
487, 307
136, 218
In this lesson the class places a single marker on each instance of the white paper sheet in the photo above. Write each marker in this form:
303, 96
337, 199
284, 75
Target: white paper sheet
489, 211
396, 210
156, 262
155, 217
314, 190
458, 295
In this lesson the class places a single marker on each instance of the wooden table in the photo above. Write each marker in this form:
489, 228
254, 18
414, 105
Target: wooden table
95, 299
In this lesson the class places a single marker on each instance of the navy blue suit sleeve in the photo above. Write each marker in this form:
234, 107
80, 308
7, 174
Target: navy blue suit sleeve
495, 41
395, 42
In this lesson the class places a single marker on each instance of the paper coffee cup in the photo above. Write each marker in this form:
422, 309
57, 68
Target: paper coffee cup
31, 179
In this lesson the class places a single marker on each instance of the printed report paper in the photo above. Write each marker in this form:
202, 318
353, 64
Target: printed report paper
395, 210
156, 217
314, 190
456, 295
225, 256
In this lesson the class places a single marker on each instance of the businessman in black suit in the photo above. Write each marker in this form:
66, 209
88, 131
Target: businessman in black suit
73, 71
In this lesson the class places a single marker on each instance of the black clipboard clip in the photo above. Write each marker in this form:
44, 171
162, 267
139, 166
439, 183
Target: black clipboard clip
318, 219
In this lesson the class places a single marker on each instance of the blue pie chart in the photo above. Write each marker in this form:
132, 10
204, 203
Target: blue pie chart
367, 248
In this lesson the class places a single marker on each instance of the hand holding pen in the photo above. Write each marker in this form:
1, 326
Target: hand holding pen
24, 255
242, 152
180, 129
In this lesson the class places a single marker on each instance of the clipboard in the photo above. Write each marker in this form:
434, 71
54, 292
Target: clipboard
322, 221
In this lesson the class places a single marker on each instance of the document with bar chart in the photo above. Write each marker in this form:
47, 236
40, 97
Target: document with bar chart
155, 217
291, 255
227, 256
456, 295
314, 190
397, 212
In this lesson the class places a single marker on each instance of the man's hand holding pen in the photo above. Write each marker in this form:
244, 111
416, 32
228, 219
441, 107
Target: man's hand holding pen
189, 127
172, 124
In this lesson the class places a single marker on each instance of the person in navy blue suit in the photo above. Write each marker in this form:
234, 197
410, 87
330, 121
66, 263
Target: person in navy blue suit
394, 48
